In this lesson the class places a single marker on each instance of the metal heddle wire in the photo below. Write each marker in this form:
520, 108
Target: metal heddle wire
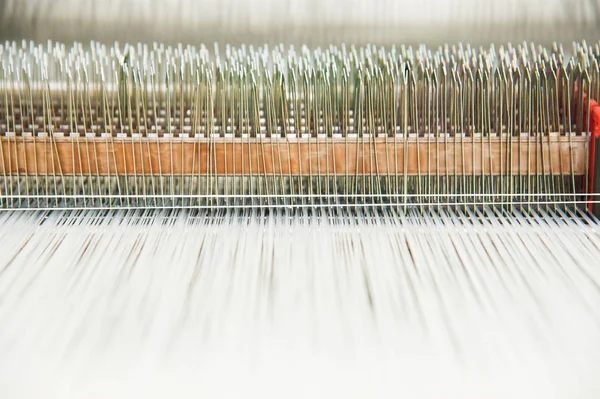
158, 127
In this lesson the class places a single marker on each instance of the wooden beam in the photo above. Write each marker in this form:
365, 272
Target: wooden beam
121, 156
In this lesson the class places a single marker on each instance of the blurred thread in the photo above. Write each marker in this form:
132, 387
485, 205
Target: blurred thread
177, 303
311, 22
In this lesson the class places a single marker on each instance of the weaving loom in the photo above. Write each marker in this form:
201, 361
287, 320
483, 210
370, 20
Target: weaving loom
182, 127
337, 219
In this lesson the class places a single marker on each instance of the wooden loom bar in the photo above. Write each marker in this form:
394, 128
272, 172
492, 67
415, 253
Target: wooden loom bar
110, 156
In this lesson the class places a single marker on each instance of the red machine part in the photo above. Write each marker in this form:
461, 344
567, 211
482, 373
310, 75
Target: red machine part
594, 118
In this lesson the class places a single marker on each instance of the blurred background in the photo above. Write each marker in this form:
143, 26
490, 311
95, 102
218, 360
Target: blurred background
311, 22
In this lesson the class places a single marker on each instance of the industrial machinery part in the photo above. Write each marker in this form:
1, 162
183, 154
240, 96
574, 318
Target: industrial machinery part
154, 126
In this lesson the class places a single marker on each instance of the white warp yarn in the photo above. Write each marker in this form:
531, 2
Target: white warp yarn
155, 305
